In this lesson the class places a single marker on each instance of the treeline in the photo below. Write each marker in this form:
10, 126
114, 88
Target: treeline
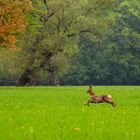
113, 60
72, 43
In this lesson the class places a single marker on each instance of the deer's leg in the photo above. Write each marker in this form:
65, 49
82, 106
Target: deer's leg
112, 103
89, 101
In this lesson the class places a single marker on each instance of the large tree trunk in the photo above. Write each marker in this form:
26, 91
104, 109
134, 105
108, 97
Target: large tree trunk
53, 81
25, 78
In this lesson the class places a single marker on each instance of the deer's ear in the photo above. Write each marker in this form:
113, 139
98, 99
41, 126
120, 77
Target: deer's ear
90, 86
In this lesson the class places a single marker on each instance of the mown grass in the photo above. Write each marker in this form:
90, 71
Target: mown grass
58, 113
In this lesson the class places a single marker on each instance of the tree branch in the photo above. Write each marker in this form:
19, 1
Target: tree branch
82, 31
45, 18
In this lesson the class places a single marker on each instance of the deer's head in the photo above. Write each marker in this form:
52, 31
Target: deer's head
90, 91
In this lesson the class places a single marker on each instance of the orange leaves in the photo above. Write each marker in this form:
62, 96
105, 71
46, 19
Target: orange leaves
12, 20
12, 39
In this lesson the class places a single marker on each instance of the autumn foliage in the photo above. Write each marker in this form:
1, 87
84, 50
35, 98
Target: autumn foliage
12, 20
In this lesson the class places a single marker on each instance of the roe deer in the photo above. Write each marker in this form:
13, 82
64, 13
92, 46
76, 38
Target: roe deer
99, 99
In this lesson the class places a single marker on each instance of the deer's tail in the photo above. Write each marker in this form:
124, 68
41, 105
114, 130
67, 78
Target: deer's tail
112, 103
109, 96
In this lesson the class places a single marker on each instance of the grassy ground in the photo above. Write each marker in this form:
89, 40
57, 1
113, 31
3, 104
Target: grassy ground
58, 113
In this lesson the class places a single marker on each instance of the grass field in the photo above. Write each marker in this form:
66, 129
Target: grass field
59, 113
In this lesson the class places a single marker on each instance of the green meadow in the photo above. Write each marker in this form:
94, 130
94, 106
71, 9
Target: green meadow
59, 113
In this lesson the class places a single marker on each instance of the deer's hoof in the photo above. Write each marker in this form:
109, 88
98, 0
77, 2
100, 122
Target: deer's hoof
86, 104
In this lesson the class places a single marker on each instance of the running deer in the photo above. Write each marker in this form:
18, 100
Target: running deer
99, 99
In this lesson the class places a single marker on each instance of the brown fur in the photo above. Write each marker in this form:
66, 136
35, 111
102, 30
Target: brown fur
99, 99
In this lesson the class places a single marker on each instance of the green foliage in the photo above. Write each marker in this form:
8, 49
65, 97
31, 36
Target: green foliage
115, 58
7, 61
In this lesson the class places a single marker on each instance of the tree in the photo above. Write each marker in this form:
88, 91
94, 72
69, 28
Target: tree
12, 20
60, 24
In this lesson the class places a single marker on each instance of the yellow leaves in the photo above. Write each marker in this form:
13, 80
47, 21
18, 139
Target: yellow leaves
92, 124
133, 134
77, 129
27, 5
83, 110
32, 130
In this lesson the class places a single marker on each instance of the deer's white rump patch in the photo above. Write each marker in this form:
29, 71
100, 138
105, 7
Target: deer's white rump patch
109, 96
